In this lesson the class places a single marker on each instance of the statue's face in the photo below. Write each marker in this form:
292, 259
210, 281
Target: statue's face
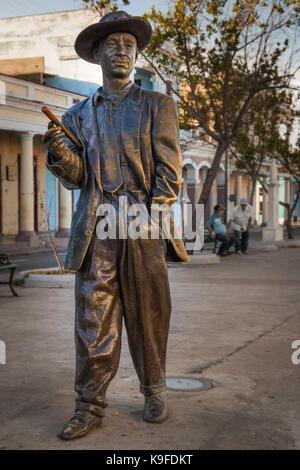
117, 54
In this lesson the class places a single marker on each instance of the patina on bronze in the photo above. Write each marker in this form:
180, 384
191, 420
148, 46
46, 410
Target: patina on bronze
130, 146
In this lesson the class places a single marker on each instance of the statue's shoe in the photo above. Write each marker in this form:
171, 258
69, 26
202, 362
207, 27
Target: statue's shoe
80, 424
155, 410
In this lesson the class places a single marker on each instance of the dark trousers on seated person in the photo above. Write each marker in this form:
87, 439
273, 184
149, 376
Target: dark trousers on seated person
227, 241
242, 239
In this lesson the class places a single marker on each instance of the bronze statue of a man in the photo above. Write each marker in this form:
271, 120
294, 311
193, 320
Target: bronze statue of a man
130, 147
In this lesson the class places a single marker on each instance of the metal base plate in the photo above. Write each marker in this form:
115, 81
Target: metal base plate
188, 384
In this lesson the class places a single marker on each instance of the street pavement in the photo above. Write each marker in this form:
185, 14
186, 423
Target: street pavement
35, 259
233, 323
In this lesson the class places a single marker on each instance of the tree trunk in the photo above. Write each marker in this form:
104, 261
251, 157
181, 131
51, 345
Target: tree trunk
289, 228
212, 173
288, 220
290, 210
211, 176
253, 181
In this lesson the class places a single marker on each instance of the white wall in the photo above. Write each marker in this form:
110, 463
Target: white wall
51, 35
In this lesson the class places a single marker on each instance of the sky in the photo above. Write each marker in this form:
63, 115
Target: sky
31, 7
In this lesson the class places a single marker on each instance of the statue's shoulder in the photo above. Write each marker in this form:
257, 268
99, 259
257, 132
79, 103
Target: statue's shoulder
77, 108
156, 96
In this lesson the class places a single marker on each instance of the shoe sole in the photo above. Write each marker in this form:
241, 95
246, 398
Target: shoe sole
65, 437
157, 420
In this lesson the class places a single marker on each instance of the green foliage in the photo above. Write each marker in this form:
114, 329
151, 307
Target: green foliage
285, 152
100, 5
225, 53
266, 133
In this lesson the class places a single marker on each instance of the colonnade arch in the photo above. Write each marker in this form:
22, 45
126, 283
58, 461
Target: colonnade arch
193, 178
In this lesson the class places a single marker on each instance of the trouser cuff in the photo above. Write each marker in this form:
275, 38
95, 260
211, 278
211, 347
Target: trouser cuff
96, 410
148, 390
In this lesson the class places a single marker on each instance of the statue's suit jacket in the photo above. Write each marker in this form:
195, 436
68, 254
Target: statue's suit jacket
150, 138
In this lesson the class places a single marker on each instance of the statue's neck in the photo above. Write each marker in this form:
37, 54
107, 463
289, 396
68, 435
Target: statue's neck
114, 85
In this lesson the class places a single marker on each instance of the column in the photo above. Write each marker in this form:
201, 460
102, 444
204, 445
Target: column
213, 197
231, 192
288, 194
227, 192
65, 212
198, 177
192, 184
26, 229
273, 231
255, 204
265, 204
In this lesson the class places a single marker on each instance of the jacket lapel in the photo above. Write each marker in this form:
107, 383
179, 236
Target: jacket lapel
131, 128
91, 137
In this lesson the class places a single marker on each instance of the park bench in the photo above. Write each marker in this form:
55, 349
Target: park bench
209, 243
6, 265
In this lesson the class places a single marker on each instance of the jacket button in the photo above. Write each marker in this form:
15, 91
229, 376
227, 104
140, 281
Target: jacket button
88, 232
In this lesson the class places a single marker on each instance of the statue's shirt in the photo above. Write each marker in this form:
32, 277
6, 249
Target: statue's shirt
115, 171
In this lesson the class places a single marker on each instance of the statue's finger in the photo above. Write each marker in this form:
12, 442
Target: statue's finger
51, 137
51, 131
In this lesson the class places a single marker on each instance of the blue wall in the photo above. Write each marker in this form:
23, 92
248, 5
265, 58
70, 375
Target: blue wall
297, 210
76, 194
76, 86
51, 199
144, 76
282, 184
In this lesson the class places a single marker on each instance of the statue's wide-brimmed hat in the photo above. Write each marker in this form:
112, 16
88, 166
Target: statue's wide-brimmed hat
114, 22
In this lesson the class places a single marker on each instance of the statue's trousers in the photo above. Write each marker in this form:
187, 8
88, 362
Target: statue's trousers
121, 278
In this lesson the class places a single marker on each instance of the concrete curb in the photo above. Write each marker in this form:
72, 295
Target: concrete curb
28, 251
264, 248
45, 280
67, 280
205, 258
289, 244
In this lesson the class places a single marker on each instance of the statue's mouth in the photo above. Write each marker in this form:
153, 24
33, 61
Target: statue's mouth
118, 61
120, 64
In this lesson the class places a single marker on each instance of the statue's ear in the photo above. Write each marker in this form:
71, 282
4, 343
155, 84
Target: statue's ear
96, 52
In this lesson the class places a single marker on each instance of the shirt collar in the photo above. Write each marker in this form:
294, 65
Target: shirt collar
119, 96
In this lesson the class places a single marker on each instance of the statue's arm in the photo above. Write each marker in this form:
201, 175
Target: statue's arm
166, 152
63, 157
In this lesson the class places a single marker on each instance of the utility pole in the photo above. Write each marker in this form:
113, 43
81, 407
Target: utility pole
226, 186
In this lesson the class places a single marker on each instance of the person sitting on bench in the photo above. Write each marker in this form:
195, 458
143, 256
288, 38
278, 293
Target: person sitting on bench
217, 230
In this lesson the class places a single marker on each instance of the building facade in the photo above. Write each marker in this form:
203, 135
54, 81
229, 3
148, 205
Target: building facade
197, 158
39, 66
28, 191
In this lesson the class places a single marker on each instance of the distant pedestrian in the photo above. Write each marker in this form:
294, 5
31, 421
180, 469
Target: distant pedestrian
217, 230
240, 222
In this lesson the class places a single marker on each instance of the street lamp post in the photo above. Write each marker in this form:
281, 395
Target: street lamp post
226, 186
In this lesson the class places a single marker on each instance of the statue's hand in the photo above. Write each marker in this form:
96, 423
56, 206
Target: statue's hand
55, 140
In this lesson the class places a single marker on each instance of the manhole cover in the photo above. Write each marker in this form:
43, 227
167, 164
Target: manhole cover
187, 384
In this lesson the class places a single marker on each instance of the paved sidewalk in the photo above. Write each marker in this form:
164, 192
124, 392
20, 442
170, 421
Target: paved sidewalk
233, 323
20, 248
16, 248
